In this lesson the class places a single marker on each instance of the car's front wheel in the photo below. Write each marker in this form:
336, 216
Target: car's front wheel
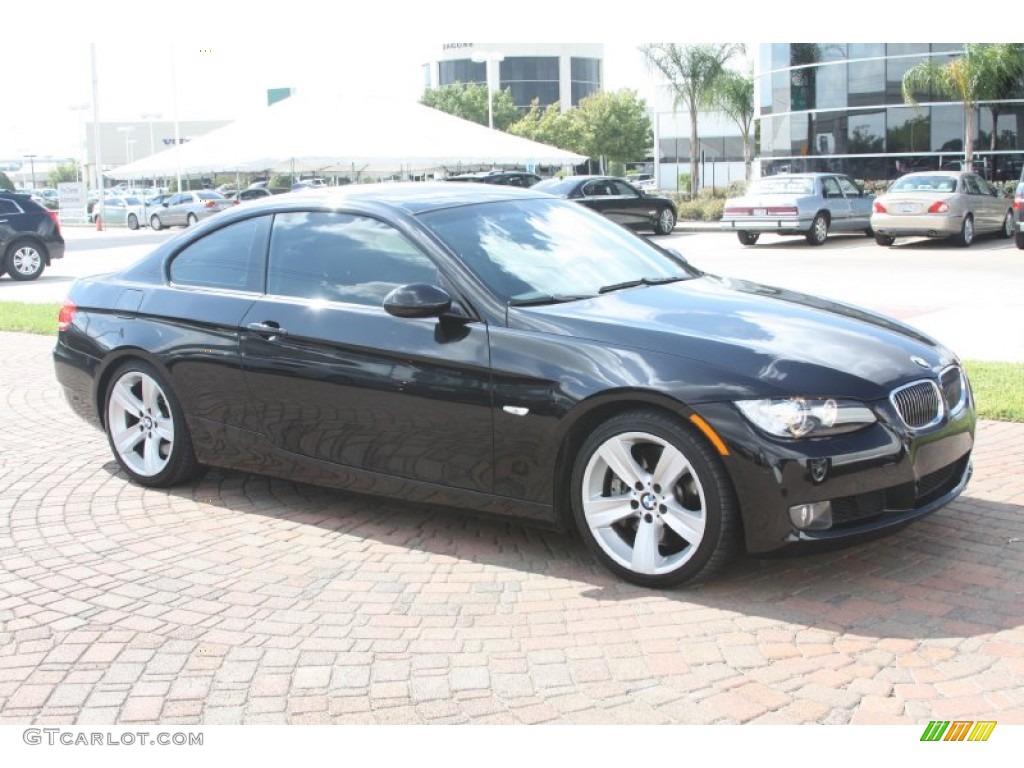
155, 223
747, 238
1019, 240
666, 222
146, 427
1008, 226
133, 221
966, 236
24, 261
190, 220
652, 500
818, 232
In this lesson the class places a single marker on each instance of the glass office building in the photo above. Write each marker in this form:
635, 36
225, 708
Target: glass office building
840, 107
547, 72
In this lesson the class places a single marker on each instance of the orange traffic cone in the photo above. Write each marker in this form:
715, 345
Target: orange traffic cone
99, 223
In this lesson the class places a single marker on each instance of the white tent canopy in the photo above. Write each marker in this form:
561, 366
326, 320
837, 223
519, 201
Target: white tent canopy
342, 134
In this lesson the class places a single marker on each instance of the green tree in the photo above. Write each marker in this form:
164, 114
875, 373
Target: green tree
985, 71
691, 71
5, 182
614, 126
550, 125
733, 94
469, 101
63, 172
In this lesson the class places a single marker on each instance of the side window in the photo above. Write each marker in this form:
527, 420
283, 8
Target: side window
341, 257
971, 183
7, 206
622, 190
831, 187
849, 188
228, 258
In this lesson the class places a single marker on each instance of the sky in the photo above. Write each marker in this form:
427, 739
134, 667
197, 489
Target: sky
224, 56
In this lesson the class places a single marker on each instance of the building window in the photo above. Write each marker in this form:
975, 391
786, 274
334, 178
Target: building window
461, 71
529, 78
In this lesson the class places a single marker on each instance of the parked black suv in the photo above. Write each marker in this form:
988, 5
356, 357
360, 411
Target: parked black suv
29, 236
509, 178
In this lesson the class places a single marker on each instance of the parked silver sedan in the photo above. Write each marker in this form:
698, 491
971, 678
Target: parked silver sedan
956, 204
808, 204
186, 208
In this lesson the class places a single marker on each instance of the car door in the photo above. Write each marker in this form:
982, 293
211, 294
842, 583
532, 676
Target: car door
629, 206
836, 204
335, 377
174, 213
859, 202
597, 194
994, 205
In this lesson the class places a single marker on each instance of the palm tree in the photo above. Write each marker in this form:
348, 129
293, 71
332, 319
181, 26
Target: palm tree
691, 71
985, 71
733, 93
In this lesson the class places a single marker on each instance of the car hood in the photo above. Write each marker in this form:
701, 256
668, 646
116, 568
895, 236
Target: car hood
774, 341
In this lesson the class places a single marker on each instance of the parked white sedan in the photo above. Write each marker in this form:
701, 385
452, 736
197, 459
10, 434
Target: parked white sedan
808, 204
956, 204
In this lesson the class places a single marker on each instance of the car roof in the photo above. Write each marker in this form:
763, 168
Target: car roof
413, 197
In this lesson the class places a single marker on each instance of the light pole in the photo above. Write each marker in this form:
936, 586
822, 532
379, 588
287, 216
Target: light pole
489, 58
151, 116
32, 164
82, 140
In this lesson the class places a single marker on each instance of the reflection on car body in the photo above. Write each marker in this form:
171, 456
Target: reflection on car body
510, 352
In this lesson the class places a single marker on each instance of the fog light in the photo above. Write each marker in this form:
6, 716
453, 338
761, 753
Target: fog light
816, 516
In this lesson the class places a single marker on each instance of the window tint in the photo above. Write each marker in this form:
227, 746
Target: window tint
341, 257
831, 187
6, 206
228, 258
971, 182
851, 189
622, 189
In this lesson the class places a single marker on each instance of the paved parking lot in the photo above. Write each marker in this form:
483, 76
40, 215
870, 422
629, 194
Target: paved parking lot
241, 599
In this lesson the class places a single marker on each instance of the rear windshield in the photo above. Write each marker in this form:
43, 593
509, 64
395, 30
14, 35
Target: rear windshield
924, 184
777, 185
211, 196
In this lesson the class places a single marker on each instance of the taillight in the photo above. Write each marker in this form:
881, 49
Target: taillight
940, 206
1018, 203
210, 204
56, 220
879, 208
66, 315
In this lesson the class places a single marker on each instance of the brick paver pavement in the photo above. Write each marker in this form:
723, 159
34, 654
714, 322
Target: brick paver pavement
242, 599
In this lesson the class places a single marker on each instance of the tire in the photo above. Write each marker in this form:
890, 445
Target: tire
818, 233
884, 239
190, 220
1019, 240
966, 236
1009, 226
25, 260
666, 222
155, 223
747, 238
146, 427
645, 533
869, 232
133, 221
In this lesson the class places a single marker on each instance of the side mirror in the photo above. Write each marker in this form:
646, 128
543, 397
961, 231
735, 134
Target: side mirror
417, 300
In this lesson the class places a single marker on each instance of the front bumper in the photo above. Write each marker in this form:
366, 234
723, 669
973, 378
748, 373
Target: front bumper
876, 480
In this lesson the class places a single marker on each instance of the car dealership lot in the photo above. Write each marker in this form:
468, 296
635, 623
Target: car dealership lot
244, 599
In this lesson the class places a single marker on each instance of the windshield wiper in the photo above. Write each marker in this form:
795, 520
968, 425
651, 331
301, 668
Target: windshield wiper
547, 298
642, 281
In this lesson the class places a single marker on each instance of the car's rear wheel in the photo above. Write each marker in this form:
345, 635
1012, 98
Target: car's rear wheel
747, 238
146, 427
25, 260
884, 239
666, 222
1008, 226
133, 221
190, 220
966, 236
652, 501
818, 232
155, 223
1019, 240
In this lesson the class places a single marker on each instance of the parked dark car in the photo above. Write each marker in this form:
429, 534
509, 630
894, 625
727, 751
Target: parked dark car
30, 237
506, 351
617, 199
508, 178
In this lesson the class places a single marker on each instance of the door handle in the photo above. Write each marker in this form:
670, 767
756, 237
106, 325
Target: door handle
269, 329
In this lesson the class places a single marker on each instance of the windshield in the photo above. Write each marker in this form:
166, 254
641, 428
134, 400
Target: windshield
782, 185
527, 251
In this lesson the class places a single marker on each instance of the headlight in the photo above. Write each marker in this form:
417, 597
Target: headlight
806, 417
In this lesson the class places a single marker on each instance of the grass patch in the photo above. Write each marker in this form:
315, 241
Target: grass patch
28, 318
998, 387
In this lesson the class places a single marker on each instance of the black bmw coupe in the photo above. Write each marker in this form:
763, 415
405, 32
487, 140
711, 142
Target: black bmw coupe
514, 353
